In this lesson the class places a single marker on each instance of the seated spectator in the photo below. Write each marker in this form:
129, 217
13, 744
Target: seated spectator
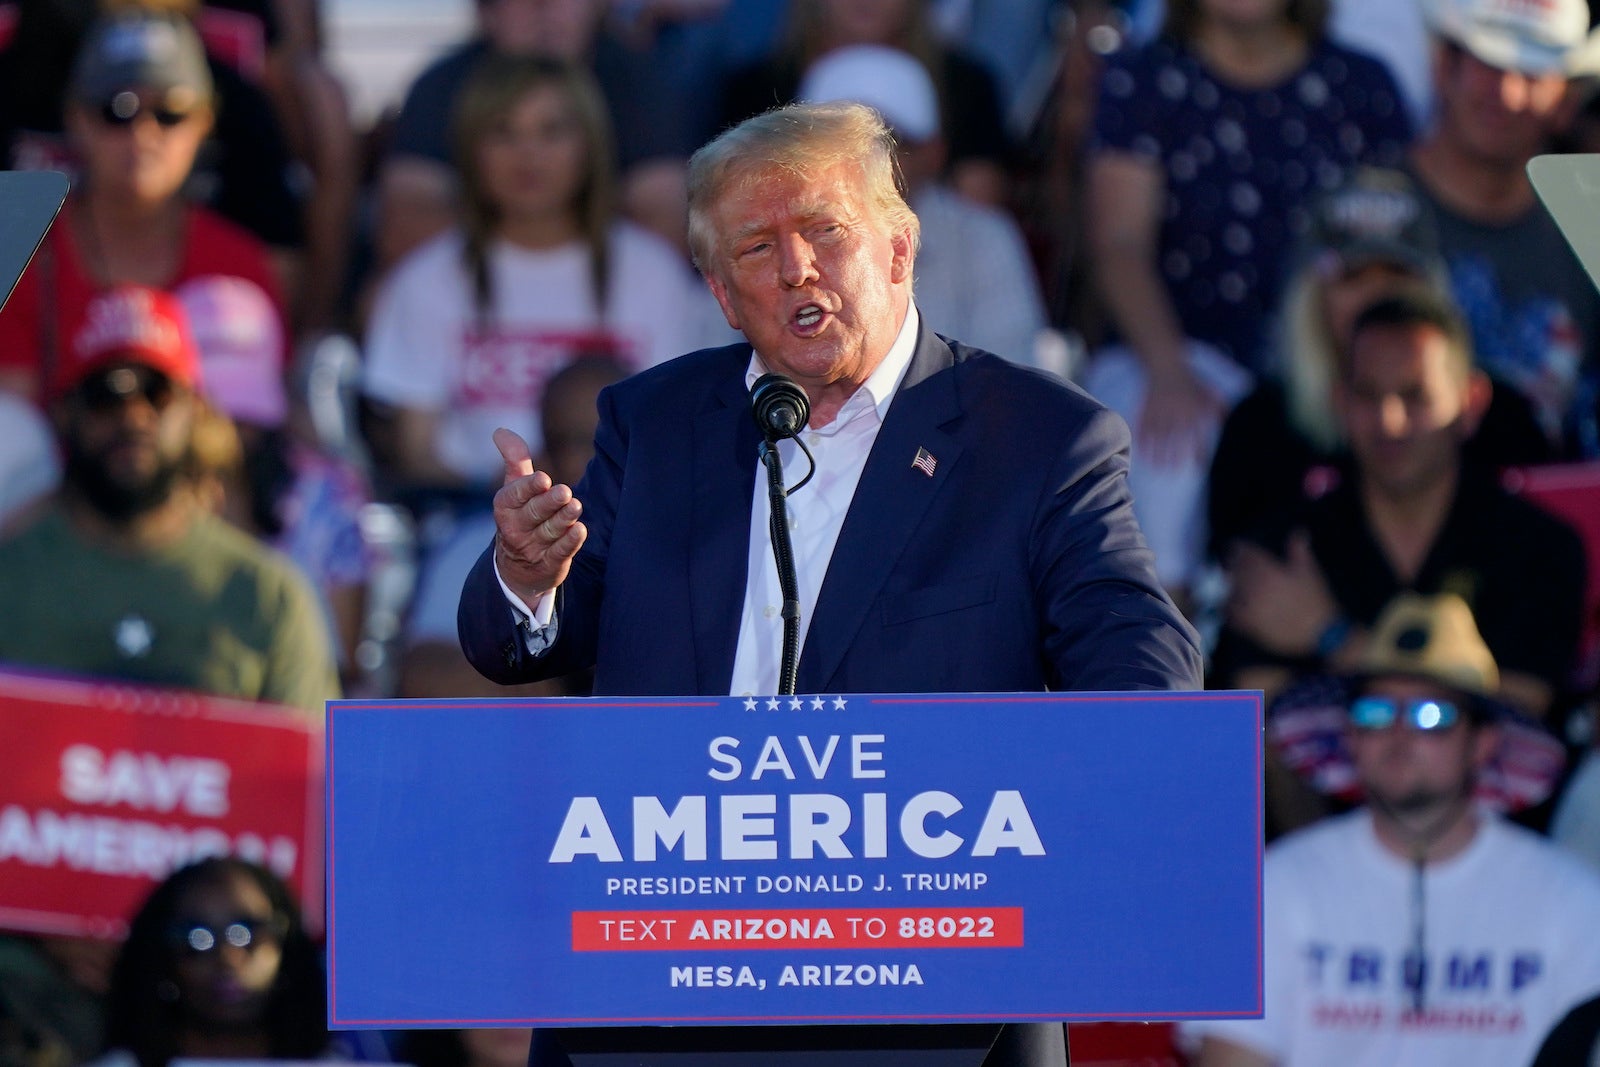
1420, 929
128, 575
1370, 238
216, 967
1209, 146
243, 171
417, 183
470, 327
433, 664
1412, 515
140, 105
969, 98
974, 279
1502, 73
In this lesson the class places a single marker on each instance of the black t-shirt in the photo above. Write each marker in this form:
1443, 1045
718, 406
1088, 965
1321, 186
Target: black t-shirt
1520, 569
1263, 463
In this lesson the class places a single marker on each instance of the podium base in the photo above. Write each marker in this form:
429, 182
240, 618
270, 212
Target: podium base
977, 1045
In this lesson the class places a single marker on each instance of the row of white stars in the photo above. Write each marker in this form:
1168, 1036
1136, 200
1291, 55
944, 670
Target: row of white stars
795, 703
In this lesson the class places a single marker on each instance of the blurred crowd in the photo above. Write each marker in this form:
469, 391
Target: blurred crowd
248, 381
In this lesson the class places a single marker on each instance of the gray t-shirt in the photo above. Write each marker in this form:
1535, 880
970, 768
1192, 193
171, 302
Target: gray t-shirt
1533, 313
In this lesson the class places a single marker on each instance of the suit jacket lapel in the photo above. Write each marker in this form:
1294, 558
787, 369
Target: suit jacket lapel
723, 471
888, 506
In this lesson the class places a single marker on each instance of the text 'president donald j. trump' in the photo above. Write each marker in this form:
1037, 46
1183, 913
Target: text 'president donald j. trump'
968, 528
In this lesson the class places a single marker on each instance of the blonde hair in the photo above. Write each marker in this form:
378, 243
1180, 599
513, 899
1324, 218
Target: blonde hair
1312, 358
802, 140
1310, 362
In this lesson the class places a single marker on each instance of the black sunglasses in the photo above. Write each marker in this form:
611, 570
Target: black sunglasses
110, 390
196, 938
123, 108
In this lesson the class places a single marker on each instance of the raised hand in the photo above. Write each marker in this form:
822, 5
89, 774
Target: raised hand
538, 532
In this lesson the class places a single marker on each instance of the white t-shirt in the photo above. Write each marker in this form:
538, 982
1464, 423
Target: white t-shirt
1510, 945
427, 351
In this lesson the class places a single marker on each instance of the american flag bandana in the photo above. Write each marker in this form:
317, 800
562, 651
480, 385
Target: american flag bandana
925, 462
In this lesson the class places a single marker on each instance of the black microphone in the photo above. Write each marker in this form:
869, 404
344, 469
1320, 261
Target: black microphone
780, 406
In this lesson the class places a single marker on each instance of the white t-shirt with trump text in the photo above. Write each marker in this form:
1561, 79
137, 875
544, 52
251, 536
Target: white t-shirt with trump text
1509, 945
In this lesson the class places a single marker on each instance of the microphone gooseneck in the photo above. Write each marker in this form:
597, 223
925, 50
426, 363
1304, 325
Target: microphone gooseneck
781, 410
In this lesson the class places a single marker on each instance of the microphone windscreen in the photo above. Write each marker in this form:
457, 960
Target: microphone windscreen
781, 408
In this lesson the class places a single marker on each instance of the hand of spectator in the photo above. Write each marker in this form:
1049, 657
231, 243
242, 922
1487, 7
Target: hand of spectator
536, 522
1283, 605
1179, 411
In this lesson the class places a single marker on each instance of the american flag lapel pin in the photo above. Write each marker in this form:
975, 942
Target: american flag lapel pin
924, 462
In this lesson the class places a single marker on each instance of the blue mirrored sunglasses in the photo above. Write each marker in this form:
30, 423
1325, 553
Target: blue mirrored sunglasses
1379, 713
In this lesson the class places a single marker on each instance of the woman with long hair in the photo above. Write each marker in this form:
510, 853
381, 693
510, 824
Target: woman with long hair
540, 272
217, 966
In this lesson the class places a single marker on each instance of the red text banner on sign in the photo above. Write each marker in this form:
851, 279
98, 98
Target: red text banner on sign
816, 928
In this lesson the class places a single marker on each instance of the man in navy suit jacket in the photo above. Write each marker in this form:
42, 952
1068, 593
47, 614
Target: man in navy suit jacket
989, 544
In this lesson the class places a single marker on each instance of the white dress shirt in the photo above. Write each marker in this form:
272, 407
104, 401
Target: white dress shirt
816, 514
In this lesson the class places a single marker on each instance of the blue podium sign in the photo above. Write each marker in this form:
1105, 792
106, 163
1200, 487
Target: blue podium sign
816, 859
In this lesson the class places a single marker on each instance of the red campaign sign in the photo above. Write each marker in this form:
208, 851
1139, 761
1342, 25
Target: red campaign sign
783, 928
105, 789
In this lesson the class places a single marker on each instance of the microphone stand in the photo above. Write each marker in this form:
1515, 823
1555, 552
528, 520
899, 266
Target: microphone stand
783, 555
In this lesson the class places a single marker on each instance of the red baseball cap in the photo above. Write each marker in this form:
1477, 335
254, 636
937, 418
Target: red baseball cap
131, 324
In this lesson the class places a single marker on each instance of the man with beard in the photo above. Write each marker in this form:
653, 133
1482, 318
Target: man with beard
128, 575
1421, 929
